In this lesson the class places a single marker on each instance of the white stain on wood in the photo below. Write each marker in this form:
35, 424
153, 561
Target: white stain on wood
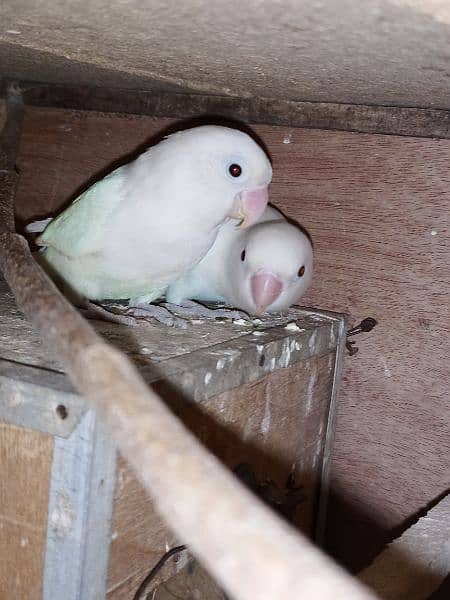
220, 364
310, 391
387, 371
312, 341
265, 423
285, 357
63, 515
292, 326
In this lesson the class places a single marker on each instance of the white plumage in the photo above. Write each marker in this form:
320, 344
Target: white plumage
141, 227
265, 268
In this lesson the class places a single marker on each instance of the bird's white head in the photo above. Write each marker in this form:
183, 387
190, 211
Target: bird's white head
271, 267
229, 171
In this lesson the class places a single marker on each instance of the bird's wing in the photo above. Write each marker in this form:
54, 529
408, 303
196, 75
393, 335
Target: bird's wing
76, 231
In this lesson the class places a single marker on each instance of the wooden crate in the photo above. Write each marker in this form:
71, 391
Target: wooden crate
74, 521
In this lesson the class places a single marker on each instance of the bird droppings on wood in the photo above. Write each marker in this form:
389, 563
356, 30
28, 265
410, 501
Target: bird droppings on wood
312, 341
292, 326
220, 364
387, 371
285, 356
242, 322
145, 350
310, 391
265, 423
63, 515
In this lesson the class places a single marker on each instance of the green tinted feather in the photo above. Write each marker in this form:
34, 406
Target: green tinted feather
76, 230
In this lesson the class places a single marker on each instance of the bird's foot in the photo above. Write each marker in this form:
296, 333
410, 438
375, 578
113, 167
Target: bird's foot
132, 315
189, 309
111, 314
143, 312
172, 315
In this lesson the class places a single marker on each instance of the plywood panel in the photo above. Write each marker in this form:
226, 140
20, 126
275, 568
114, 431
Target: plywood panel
25, 460
377, 209
62, 151
276, 425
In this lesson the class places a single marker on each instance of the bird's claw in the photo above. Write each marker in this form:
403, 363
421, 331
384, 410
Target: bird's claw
157, 312
194, 310
171, 315
132, 315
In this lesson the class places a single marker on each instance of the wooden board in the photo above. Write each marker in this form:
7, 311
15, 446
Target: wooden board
275, 424
25, 459
377, 209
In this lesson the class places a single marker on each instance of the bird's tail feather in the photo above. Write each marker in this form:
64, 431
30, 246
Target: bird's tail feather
37, 226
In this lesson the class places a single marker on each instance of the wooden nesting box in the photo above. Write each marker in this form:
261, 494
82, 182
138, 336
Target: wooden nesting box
75, 522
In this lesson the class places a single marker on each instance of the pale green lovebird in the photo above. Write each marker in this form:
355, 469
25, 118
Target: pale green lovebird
140, 228
264, 268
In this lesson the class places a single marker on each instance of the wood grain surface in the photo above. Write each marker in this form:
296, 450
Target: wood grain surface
276, 425
25, 459
377, 209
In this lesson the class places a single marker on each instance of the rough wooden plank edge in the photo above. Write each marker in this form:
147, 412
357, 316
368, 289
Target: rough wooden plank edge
11, 114
259, 556
80, 513
392, 120
38, 407
225, 366
320, 524
414, 565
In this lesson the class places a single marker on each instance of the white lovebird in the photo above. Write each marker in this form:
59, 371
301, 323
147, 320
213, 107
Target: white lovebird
130, 235
265, 268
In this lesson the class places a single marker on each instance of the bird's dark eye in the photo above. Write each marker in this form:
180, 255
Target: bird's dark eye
301, 271
243, 255
235, 170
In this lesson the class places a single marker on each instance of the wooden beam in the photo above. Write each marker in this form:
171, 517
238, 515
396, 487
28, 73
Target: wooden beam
391, 120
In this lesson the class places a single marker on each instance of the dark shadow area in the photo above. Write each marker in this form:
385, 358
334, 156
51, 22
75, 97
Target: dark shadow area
443, 592
355, 539
364, 537
263, 472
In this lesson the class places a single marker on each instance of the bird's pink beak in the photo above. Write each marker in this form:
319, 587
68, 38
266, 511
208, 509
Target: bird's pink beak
266, 287
250, 206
